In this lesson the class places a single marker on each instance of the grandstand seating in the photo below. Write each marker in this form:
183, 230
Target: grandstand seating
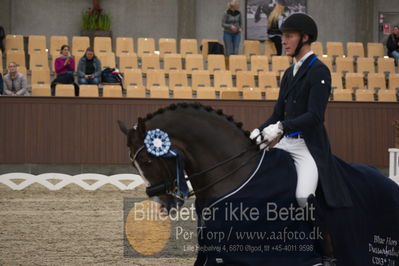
365, 65
14, 43
200, 79
145, 46
251, 48
124, 46
38, 60
342, 95
167, 46
159, 92
133, 78
335, 49
354, 81
79, 45
65, 90
238, 63
375, 50
88, 91
364, 95
37, 44
344, 65
55, 44
223, 80
107, 60
188, 47
150, 61
155, 77
245, 80
272, 93
41, 90
135, 92
216, 62
230, 95
172, 62
194, 62
17, 56
178, 79
112, 91
280, 63
40, 76
102, 45
328, 62
186, 71
270, 48
317, 48
355, 49
206, 93
183, 93
252, 95
127, 61
267, 80
259, 63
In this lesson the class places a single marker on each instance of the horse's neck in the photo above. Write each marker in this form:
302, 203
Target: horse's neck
206, 142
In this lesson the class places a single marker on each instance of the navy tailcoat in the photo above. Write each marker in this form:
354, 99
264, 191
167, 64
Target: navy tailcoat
301, 106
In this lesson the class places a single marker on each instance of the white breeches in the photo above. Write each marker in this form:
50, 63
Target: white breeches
305, 165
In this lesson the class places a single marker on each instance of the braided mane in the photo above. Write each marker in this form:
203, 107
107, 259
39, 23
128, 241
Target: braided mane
209, 109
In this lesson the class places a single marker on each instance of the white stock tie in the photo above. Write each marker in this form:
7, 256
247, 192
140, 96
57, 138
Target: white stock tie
296, 67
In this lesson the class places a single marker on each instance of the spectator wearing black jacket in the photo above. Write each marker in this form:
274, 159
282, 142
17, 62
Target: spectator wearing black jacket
393, 44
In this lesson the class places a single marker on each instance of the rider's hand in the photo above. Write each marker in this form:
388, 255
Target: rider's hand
255, 134
272, 132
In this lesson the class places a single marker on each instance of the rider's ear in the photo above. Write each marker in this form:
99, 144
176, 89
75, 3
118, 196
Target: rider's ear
141, 127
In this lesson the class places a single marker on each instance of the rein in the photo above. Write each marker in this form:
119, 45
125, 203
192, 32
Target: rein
167, 188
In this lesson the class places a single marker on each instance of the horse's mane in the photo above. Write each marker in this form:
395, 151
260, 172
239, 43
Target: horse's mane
198, 106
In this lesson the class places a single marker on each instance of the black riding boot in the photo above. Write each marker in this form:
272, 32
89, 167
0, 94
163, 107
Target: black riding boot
325, 243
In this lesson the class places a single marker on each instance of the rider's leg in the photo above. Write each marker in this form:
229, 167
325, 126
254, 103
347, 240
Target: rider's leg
305, 165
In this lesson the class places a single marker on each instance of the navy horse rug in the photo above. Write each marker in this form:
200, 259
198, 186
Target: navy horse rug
260, 222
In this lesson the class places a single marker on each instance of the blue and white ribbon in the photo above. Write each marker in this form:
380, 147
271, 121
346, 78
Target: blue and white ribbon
157, 142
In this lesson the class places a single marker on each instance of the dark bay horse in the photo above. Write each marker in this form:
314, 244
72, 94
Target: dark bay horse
251, 194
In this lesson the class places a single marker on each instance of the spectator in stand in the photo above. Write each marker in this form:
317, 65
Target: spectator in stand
15, 83
393, 44
89, 68
64, 68
232, 26
275, 20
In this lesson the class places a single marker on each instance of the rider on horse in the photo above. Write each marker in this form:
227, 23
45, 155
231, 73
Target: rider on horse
299, 115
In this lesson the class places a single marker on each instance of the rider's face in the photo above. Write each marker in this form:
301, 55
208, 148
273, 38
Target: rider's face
290, 40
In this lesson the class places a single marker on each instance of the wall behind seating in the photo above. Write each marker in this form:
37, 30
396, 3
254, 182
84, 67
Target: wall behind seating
339, 20
138, 18
383, 6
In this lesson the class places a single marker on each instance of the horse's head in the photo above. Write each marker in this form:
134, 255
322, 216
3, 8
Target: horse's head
159, 172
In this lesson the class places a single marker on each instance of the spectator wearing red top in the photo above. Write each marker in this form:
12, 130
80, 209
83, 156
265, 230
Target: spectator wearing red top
64, 68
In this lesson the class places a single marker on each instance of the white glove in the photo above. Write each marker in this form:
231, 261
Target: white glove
255, 134
272, 132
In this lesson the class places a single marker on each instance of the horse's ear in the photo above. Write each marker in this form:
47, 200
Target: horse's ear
123, 127
141, 126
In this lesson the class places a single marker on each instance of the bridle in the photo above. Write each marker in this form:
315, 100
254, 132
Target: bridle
176, 187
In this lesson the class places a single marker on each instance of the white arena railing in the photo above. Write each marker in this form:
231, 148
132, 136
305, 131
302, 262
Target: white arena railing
89, 181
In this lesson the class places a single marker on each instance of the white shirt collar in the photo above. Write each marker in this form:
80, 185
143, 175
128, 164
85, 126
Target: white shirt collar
300, 61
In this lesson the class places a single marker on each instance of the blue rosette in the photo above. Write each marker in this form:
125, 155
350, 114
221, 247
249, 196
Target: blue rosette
157, 142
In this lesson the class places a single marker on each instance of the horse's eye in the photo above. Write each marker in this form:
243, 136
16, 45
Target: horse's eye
148, 163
